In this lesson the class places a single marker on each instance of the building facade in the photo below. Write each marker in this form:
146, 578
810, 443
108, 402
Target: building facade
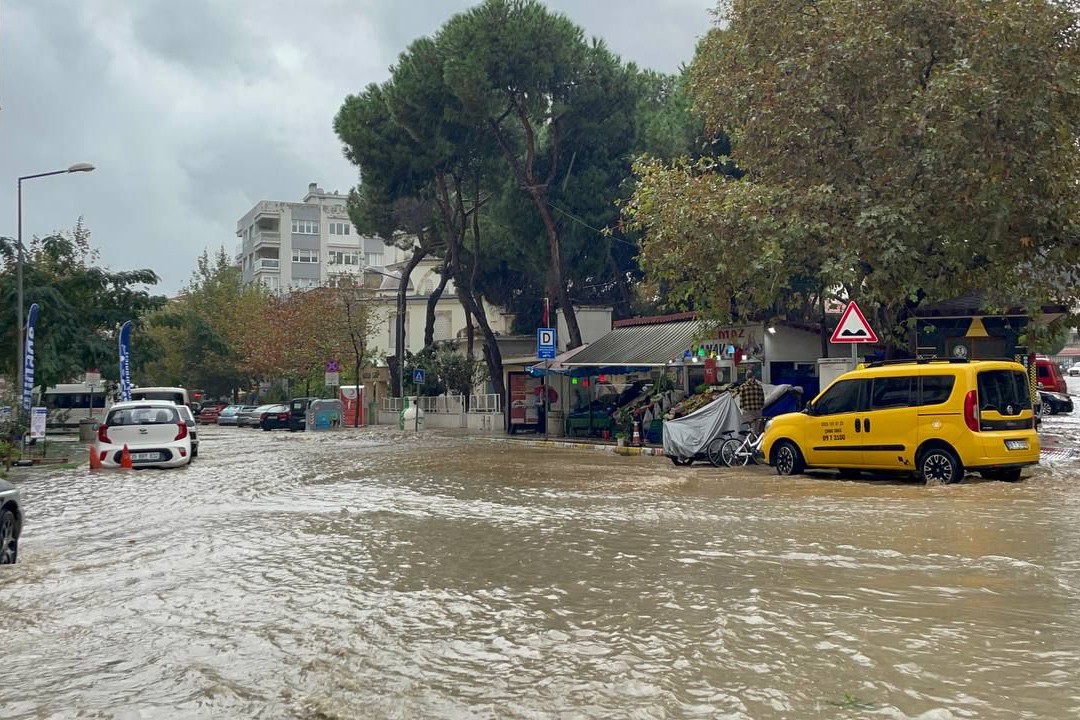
295, 245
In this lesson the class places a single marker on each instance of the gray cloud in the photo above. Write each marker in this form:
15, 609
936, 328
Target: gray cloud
194, 111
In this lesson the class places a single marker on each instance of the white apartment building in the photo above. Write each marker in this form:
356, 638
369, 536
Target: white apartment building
290, 245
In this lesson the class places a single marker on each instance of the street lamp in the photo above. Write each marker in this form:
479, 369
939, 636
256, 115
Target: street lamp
19, 359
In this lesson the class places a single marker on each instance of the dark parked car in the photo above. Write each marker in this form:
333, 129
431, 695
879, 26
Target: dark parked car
10, 523
1052, 403
274, 417
298, 408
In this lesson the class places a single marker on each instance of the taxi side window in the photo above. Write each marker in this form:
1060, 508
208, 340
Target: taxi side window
936, 389
891, 392
843, 397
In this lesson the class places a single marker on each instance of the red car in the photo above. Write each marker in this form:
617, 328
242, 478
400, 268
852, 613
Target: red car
209, 413
1049, 375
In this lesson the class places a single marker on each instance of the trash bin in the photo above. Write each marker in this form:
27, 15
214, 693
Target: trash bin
88, 430
556, 423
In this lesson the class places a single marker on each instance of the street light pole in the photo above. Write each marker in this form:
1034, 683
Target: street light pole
20, 321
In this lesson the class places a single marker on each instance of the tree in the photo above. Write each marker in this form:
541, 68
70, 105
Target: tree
356, 325
82, 306
520, 71
896, 152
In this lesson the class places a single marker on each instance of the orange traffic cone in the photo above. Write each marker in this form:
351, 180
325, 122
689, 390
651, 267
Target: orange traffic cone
95, 459
125, 458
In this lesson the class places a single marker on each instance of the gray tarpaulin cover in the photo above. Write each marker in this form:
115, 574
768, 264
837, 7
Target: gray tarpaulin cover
688, 436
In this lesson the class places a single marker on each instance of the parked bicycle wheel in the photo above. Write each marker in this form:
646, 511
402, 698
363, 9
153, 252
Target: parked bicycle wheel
734, 454
712, 451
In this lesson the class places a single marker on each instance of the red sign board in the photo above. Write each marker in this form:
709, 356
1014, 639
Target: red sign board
853, 327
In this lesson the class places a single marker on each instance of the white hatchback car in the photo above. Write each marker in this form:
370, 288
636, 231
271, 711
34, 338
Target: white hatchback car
154, 432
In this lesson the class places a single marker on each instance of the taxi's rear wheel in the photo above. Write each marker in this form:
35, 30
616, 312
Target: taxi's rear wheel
787, 459
940, 466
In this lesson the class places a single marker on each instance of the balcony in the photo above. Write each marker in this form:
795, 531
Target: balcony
267, 265
266, 239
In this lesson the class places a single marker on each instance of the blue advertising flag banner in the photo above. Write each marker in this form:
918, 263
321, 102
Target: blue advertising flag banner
125, 361
28, 358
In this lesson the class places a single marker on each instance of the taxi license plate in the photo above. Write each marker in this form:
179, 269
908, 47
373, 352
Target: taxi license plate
145, 456
1016, 444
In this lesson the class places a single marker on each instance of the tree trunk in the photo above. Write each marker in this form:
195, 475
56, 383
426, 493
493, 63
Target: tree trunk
492, 354
557, 272
432, 302
403, 289
356, 419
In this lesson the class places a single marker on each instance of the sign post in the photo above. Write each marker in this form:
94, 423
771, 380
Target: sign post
546, 342
853, 329
418, 380
333, 374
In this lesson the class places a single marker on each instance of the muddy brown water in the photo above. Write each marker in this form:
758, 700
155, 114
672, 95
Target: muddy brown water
389, 577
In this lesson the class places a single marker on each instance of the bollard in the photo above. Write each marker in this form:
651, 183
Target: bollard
636, 439
125, 458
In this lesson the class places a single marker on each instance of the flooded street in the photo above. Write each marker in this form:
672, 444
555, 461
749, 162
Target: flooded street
387, 577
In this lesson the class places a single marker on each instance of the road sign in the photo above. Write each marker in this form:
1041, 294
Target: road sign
333, 366
545, 343
418, 376
93, 377
853, 327
333, 379
37, 423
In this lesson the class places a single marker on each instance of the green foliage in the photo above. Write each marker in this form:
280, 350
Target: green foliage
444, 372
82, 306
900, 151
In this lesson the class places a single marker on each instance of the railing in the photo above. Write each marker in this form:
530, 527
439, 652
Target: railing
442, 404
391, 404
490, 403
264, 237
267, 264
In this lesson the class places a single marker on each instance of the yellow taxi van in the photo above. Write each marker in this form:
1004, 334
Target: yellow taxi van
935, 418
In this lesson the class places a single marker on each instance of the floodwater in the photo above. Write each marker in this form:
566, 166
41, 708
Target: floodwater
390, 576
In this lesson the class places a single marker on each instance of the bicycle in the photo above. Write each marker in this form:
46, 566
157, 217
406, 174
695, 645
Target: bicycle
713, 451
743, 450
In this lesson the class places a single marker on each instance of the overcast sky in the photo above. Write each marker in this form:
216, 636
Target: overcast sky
192, 111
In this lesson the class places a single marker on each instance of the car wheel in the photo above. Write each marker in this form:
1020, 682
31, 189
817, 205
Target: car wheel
850, 474
9, 542
787, 459
1047, 408
195, 452
940, 466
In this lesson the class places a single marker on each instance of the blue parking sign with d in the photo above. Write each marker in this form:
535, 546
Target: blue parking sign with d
545, 343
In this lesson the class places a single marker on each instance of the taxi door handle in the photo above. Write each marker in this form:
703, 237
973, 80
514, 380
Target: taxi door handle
866, 424
858, 425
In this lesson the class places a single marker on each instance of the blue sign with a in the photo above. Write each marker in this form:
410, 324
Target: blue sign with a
418, 376
545, 343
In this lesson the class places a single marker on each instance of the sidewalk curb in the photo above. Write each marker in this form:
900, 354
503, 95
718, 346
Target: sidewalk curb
570, 445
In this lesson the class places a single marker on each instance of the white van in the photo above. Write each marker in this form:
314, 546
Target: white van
175, 395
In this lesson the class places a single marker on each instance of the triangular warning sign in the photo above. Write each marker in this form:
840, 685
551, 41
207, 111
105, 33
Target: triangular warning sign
853, 327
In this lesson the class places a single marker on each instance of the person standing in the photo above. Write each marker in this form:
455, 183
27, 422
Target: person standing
751, 400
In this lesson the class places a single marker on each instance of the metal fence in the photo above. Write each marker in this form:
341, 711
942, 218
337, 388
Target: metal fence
489, 403
449, 404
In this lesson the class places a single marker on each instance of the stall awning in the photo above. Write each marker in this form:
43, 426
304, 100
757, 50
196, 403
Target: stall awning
635, 348
557, 366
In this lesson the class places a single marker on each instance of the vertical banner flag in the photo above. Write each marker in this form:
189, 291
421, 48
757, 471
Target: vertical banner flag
28, 358
125, 361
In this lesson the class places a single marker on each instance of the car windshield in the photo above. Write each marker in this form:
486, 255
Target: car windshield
143, 415
231, 410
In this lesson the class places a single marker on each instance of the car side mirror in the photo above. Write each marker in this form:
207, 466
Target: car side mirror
809, 409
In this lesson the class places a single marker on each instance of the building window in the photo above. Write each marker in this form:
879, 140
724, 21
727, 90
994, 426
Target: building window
305, 256
305, 227
270, 281
339, 228
344, 257
305, 283
443, 326
373, 259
